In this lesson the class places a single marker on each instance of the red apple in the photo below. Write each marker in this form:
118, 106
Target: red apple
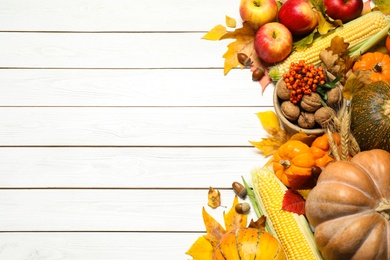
258, 12
345, 10
273, 42
298, 16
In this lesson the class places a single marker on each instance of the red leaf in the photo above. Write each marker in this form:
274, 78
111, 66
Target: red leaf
293, 202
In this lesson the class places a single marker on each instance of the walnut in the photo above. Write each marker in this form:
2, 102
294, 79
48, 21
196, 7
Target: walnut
282, 91
335, 96
306, 120
290, 111
324, 116
312, 102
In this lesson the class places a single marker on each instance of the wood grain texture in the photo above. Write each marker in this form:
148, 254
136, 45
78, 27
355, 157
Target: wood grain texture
108, 210
108, 50
125, 167
95, 246
139, 126
115, 15
166, 87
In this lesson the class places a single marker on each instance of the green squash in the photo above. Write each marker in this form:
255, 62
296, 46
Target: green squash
370, 116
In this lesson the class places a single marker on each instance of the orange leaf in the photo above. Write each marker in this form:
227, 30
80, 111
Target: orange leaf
293, 202
216, 33
234, 220
258, 224
214, 198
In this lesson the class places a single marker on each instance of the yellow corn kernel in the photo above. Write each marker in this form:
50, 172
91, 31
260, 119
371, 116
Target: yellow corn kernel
357, 33
292, 230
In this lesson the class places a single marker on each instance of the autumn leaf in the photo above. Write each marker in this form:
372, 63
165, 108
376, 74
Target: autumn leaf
338, 46
214, 230
257, 63
215, 33
270, 122
234, 220
304, 138
355, 81
230, 22
243, 43
214, 198
201, 249
293, 202
383, 5
258, 224
303, 43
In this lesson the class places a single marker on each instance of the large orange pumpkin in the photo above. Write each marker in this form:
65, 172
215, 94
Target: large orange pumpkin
293, 164
350, 206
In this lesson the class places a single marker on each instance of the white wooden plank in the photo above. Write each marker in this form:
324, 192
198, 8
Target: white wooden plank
138, 126
187, 87
108, 210
96, 246
115, 15
125, 167
110, 50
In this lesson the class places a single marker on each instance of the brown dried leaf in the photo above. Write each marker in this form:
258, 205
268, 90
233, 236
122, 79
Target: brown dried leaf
258, 224
338, 46
328, 58
214, 198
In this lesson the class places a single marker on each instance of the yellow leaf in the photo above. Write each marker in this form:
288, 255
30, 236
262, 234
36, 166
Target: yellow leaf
214, 198
214, 230
234, 220
243, 43
269, 120
201, 249
304, 193
216, 33
230, 22
323, 25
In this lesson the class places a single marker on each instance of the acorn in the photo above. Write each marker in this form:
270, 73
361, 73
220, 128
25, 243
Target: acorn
244, 59
239, 189
257, 74
242, 208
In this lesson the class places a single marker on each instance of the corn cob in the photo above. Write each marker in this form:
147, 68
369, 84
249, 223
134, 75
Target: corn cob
361, 34
292, 230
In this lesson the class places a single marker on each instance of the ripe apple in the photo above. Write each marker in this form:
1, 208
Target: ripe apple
273, 42
345, 10
258, 12
298, 16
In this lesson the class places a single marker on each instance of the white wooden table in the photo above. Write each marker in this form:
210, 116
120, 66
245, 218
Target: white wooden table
115, 119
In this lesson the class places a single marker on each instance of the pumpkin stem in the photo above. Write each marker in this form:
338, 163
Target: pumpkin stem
378, 67
285, 163
384, 208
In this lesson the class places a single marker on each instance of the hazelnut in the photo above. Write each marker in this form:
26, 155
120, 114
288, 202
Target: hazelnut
242, 208
290, 110
312, 102
335, 96
239, 189
282, 91
306, 120
324, 116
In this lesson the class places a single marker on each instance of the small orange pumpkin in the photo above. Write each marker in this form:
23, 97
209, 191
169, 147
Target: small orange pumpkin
293, 164
378, 63
321, 150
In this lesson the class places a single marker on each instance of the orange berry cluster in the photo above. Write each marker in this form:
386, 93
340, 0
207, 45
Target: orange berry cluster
302, 79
